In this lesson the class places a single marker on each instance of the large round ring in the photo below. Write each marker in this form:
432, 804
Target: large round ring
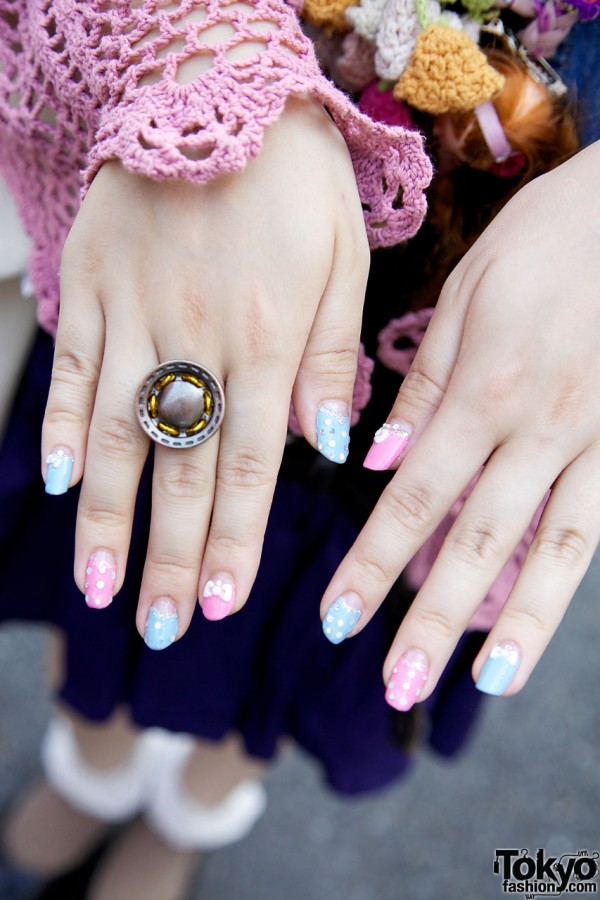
180, 404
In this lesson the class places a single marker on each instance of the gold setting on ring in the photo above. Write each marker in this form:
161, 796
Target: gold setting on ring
180, 404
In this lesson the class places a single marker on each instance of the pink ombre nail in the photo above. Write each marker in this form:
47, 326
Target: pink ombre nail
389, 444
218, 596
407, 680
100, 578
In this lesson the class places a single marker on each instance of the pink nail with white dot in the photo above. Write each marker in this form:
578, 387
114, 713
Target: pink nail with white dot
100, 578
407, 680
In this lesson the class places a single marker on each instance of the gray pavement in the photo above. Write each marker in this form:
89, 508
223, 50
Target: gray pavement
529, 779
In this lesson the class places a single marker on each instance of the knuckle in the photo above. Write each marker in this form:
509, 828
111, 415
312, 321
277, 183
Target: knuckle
245, 470
532, 619
475, 543
338, 362
67, 416
374, 571
259, 327
183, 481
74, 370
118, 437
233, 546
500, 389
420, 389
106, 519
411, 508
172, 567
561, 544
436, 621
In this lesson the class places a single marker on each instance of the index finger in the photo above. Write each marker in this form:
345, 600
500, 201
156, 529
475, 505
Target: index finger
449, 454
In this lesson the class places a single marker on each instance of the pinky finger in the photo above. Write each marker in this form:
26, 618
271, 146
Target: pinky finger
75, 373
556, 563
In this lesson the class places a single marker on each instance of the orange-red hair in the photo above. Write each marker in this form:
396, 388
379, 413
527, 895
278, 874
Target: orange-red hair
536, 123
465, 194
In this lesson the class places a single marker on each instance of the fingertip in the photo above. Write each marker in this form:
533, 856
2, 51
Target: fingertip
100, 579
390, 444
218, 596
57, 470
406, 679
161, 625
497, 674
342, 617
332, 430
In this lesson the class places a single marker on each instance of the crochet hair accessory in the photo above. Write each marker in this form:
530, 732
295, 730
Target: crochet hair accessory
173, 90
330, 15
447, 73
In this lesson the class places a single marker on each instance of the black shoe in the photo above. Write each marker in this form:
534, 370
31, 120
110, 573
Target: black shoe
73, 884
19, 884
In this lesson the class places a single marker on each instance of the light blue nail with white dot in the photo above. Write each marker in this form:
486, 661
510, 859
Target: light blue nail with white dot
161, 629
339, 620
333, 434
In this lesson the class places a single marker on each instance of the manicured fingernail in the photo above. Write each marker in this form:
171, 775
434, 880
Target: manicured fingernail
388, 445
59, 465
100, 577
162, 624
341, 617
218, 596
407, 680
499, 669
333, 430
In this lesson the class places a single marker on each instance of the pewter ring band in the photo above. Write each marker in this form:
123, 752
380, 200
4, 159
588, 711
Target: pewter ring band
180, 404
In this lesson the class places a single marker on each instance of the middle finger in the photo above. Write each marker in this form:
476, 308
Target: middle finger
183, 485
408, 511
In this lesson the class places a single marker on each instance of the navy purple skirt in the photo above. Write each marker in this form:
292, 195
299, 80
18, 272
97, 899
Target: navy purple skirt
266, 672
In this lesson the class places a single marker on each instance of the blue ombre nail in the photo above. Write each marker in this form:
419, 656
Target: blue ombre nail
333, 431
341, 617
59, 465
499, 669
162, 625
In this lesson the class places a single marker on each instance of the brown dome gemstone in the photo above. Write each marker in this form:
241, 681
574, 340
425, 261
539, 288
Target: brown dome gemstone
181, 404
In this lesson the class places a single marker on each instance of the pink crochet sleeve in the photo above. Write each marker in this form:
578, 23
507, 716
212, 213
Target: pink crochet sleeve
164, 118
160, 84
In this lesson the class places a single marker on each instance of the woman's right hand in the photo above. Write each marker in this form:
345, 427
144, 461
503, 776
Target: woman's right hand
260, 277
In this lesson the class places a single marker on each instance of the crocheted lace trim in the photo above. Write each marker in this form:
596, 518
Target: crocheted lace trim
173, 89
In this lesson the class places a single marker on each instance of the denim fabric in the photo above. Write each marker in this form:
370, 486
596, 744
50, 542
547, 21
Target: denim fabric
578, 63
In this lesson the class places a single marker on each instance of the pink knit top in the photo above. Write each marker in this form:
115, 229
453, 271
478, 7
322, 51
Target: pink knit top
84, 81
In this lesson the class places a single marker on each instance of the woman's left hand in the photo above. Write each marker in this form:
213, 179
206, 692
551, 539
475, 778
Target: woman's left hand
505, 382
